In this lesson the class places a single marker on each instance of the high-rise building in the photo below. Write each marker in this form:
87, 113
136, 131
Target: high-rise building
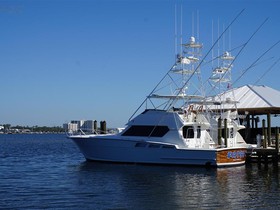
86, 126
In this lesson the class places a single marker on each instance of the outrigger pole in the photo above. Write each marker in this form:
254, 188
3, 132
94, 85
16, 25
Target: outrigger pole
253, 64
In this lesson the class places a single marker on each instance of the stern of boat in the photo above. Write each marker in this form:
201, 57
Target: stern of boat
231, 156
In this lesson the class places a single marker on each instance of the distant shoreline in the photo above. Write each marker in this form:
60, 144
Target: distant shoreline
2, 133
9, 129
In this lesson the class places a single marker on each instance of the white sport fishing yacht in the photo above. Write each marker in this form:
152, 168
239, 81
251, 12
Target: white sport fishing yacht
178, 128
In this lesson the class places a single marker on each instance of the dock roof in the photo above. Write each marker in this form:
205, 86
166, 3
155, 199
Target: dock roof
257, 99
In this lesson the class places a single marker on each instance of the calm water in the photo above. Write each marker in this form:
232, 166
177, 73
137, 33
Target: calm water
48, 172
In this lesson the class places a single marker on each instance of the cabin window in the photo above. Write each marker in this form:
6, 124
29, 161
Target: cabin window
188, 132
146, 130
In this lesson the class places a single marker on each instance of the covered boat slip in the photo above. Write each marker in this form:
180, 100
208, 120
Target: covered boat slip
255, 102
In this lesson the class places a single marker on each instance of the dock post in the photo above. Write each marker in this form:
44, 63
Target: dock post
259, 160
265, 139
219, 131
257, 119
248, 128
268, 129
225, 132
277, 139
263, 128
276, 155
259, 140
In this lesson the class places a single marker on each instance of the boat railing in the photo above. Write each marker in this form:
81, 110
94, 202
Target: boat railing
81, 133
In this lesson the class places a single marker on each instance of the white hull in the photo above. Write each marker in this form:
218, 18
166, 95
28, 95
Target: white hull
128, 151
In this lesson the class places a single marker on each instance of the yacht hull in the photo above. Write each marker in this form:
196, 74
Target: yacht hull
133, 151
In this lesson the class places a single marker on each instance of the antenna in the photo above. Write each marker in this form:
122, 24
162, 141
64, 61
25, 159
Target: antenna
180, 89
229, 38
197, 24
212, 61
175, 31
218, 41
200, 63
224, 40
181, 39
192, 24
242, 48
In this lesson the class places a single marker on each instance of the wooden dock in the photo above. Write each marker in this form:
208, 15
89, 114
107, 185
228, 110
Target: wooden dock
264, 153
263, 156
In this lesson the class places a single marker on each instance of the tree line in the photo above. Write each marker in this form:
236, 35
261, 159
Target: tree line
8, 128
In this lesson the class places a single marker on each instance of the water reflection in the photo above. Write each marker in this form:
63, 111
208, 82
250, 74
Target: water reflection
143, 186
151, 187
48, 172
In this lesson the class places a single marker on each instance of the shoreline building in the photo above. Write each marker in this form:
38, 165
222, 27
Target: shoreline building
87, 126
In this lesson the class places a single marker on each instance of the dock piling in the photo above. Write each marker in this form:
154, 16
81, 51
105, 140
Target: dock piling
219, 131
225, 132
265, 139
277, 139
269, 129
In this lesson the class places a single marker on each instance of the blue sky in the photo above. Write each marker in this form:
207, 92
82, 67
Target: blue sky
64, 60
